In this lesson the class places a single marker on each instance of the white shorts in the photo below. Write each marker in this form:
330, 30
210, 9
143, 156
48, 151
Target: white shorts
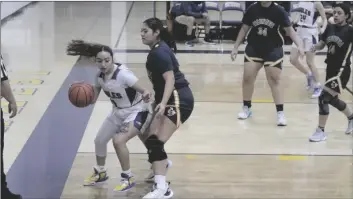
309, 37
118, 120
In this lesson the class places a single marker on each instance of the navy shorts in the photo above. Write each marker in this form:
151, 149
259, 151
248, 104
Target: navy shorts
272, 57
331, 72
180, 105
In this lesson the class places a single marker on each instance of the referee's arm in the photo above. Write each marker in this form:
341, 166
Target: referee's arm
6, 91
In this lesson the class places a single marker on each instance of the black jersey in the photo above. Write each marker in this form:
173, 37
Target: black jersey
266, 24
160, 60
339, 41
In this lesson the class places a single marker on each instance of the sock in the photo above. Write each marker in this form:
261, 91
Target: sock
100, 168
247, 103
350, 117
279, 107
160, 181
322, 128
128, 172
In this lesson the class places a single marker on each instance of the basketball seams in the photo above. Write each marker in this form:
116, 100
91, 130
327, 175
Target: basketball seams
81, 94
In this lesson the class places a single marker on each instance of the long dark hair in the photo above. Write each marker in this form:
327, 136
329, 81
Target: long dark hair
80, 47
164, 35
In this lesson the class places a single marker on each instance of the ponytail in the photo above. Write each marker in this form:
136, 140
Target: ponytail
168, 39
80, 47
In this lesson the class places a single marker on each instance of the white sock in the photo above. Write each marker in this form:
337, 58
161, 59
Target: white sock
160, 181
100, 168
128, 172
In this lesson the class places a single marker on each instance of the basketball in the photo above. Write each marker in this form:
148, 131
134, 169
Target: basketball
81, 94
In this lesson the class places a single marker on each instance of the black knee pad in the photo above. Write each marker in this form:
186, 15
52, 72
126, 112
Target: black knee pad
337, 103
155, 149
324, 100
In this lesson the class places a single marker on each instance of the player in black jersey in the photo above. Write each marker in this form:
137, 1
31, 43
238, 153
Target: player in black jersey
265, 41
339, 40
173, 99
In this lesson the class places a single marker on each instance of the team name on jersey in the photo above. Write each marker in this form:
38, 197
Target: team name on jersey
303, 11
113, 95
335, 39
263, 21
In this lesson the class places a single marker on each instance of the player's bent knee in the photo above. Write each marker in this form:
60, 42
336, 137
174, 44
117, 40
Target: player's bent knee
324, 100
337, 103
323, 106
155, 148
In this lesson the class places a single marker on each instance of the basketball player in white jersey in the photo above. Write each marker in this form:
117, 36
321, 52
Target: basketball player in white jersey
308, 31
130, 115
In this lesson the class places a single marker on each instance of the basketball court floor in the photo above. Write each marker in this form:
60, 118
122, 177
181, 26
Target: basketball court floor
49, 147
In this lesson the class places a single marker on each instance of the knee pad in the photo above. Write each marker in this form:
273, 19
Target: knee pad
324, 99
155, 149
337, 103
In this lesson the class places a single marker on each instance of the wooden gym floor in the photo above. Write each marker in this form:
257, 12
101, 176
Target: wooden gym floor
214, 154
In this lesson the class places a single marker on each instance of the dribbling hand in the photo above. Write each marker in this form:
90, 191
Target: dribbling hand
234, 54
160, 108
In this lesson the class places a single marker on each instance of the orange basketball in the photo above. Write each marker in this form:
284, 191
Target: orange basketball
81, 94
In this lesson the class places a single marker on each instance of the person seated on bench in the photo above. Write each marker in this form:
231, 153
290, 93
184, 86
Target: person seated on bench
194, 12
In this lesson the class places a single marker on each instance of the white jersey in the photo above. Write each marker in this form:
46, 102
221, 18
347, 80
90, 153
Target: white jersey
307, 12
117, 86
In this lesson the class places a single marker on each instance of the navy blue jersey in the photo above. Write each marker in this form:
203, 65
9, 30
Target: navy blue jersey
266, 24
161, 59
339, 41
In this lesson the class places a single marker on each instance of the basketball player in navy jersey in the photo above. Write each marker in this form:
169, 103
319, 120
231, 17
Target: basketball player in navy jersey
308, 31
264, 48
173, 99
339, 40
128, 116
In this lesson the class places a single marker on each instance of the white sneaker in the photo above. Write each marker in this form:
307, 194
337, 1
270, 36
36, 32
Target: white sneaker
150, 177
318, 136
316, 93
350, 127
246, 113
157, 192
281, 119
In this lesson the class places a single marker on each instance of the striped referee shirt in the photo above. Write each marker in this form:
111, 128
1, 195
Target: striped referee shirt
3, 71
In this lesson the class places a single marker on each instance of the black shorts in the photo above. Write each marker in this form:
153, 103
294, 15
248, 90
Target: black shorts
331, 72
272, 57
180, 105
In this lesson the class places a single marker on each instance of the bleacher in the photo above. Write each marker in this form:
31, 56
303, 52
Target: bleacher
225, 19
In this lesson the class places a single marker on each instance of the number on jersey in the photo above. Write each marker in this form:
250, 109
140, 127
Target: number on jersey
262, 31
113, 95
302, 18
